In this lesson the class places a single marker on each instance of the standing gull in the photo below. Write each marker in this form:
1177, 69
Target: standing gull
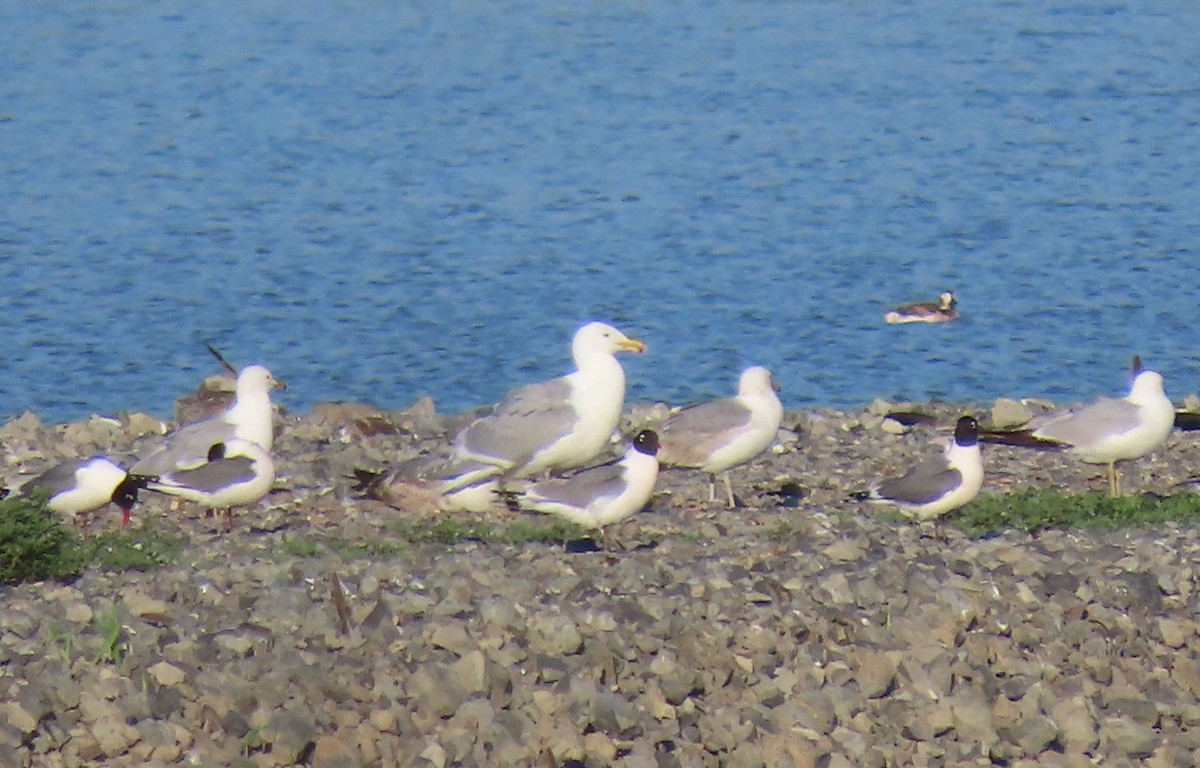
83, 485
250, 418
940, 483
557, 424
601, 495
1107, 431
235, 473
721, 434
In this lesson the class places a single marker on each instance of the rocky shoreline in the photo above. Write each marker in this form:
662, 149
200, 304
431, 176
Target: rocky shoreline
802, 629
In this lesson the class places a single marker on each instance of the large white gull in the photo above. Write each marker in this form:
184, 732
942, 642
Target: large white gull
558, 424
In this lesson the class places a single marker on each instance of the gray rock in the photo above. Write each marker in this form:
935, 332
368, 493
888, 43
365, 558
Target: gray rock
436, 691
876, 674
1130, 737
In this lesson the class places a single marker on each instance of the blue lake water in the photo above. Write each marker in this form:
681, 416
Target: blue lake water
381, 200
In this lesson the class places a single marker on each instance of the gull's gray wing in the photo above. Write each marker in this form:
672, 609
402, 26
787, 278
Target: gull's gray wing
185, 448
215, 475
56, 479
527, 420
927, 481
579, 490
1092, 424
689, 437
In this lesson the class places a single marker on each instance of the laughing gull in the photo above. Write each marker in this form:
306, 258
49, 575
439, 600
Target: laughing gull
558, 424
249, 418
721, 434
1107, 431
432, 483
597, 496
236, 472
940, 483
942, 311
83, 485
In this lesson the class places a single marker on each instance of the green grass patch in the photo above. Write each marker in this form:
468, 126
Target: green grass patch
1039, 508
112, 636
451, 530
35, 543
373, 549
444, 531
132, 549
548, 531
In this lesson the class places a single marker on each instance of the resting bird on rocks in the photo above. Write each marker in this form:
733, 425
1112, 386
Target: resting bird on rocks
431, 483
598, 496
1106, 431
250, 418
721, 434
939, 484
558, 424
83, 485
235, 473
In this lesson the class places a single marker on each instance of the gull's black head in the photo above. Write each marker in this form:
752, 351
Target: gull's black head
646, 442
966, 431
125, 495
1136, 365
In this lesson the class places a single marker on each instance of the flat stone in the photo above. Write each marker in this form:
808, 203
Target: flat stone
332, 751
1174, 633
435, 691
876, 674
1129, 736
165, 673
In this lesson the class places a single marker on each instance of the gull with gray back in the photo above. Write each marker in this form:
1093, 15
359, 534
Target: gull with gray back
720, 434
939, 484
235, 473
1106, 431
250, 418
558, 424
598, 496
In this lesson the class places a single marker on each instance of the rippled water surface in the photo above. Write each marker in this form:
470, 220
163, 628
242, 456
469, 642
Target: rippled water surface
381, 200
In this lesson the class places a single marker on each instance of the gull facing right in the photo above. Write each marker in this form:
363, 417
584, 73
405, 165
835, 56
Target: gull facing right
558, 424
597, 496
83, 485
1107, 431
250, 418
235, 473
721, 434
939, 484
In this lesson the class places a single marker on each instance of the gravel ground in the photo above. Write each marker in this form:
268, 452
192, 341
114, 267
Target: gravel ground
801, 629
